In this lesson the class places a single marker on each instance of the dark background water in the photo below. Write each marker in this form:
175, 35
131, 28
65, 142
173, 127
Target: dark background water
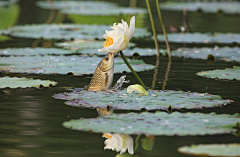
31, 119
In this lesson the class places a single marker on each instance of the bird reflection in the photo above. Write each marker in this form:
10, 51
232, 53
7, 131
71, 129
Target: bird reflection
105, 111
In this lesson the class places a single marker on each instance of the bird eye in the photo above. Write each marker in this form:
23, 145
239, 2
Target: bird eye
106, 58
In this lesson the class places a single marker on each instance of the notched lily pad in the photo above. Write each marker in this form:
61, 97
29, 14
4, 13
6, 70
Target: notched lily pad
64, 65
90, 8
202, 53
156, 100
227, 150
160, 123
33, 51
65, 31
93, 45
127, 52
206, 38
14, 82
207, 7
227, 74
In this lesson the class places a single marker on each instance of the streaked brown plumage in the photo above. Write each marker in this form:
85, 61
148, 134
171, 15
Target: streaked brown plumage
103, 75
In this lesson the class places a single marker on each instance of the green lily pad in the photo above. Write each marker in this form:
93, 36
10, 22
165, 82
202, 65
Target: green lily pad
227, 150
14, 82
206, 38
90, 8
127, 52
202, 53
207, 7
85, 44
7, 2
65, 31
33, 51
160, 123
156, 100
227, 74
64, 64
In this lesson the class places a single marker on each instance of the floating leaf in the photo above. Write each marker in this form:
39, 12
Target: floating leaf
64, 64
93, 45
160, 123
207, 7
206, 38
202, 53
33, 51
90, 8
15, 82
156, 99
229, 74
7, 3
65, 31
127, 52
227, 150
137, 88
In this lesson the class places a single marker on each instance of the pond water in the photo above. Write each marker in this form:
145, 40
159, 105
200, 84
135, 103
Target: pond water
31, 119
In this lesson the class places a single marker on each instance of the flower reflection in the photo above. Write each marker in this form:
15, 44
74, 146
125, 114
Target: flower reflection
119, 142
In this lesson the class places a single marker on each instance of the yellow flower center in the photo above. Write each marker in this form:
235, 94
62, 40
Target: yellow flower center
108, 42
107, 136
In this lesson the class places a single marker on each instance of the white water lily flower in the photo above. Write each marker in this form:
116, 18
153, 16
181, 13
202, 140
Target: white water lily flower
119, 142
118, 38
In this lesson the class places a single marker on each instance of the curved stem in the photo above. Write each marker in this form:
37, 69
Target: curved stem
130, 67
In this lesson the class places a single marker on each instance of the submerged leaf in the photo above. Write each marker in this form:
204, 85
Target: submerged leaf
137, 88
156, 99
203, 53
65, 31
227, 150
208, 7
229, 74
33, 51
160, 123
64, 65
205, 38
14, 82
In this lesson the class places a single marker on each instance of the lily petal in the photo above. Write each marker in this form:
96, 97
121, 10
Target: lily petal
131, 28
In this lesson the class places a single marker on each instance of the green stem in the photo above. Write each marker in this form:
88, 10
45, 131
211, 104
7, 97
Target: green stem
163, 28
130, 67
153, 28
136, 143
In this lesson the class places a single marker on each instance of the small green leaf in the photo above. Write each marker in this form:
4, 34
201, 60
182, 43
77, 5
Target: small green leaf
137, 88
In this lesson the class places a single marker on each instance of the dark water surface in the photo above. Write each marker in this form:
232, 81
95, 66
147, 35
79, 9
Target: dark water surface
31, 119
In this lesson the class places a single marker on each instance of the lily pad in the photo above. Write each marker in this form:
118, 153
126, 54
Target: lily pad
228, 150
90, 8
84, 44
127, 52
33, 51
160, 123
14, 82
206, 38
64, 64
7, 2
207, 7
202, 53
65, 31
156, 100
227, 74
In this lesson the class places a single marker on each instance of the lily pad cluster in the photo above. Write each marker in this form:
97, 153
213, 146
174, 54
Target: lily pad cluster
33, 51
207, 7
14, 82
127, 52
223, 53
160, 123
227, 74
156, 100
65, 31
89, 8
206, 38
64, 65
84, 44
224, 150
